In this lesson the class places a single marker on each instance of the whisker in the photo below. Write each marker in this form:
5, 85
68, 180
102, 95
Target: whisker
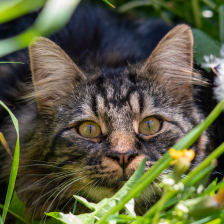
69, 182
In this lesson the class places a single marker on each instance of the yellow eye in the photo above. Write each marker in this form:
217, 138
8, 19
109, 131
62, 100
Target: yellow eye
149, 126
89, 129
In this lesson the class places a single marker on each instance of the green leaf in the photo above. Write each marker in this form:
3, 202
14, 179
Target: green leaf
212, 188
130, 208
15, 165
13, 62
101, 208
221, 23
133, 4
120, 218
66, 218
91, 206
17, 209
108, 3
10, 10
204, 45
52, 17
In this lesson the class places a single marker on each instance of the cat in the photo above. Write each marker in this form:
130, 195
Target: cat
106, 91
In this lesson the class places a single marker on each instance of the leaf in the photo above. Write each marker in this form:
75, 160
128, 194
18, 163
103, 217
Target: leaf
221, 23
10, 10
108, 3
11, 62
17, 209
4, 143
15, 165
210, 189
66, 218
120, 218
130, 208
91, 206
52, 17
101, 208
204, 45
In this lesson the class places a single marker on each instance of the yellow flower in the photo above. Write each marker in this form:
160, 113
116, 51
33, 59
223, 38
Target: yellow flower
219, 198
184, 154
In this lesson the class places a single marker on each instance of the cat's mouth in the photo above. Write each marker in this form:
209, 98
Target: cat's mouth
123, 178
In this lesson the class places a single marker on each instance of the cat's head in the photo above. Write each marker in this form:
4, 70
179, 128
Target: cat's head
96, 127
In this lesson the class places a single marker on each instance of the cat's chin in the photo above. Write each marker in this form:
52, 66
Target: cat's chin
143, 202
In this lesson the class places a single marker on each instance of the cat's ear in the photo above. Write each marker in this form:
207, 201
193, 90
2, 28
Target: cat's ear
172, 60
54, 73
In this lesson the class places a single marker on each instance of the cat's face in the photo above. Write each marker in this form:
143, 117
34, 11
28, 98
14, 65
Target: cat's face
96, 128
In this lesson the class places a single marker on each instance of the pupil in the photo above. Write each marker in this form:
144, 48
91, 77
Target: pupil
149, 124
90, 129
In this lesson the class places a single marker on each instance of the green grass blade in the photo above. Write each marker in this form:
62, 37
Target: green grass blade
133, 4
215, 154
221, 23
53, 17
108, 3
15, 215
11, 62
196, 12
15, 165
10, 10
201, 174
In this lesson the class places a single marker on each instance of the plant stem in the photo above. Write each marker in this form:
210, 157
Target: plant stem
196, 12
200, 175
13, 62
215, 154
160, 207
210, 3
133, 4
221, 23
16, 215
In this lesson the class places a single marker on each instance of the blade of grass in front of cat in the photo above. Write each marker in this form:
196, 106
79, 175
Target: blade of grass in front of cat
10, 10
109, 3
15, 215
4, 143
54, 15
11, 62
15, 165
164, 162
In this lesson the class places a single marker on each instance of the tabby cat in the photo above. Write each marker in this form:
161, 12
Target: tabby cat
101, 99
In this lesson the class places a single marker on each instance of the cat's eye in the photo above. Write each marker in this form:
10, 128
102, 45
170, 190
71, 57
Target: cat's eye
89, 129
149, 126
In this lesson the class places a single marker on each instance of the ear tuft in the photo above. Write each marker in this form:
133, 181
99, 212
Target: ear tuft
54, 73
175, 49
171, 61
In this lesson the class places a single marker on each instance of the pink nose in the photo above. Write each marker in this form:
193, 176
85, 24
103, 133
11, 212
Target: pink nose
124, 158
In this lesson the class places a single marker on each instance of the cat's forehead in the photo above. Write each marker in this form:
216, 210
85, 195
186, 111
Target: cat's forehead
115, 97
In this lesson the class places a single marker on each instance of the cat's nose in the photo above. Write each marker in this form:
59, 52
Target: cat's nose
124, 158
